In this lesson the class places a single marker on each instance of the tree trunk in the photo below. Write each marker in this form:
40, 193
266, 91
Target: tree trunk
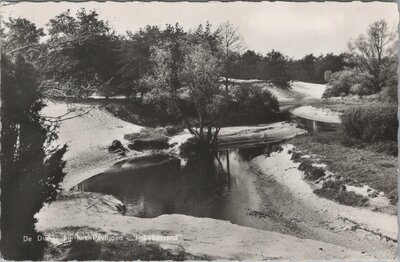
226, 83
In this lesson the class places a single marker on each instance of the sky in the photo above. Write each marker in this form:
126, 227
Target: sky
296, 29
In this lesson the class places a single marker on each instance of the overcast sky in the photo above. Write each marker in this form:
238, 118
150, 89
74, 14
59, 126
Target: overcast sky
295, 29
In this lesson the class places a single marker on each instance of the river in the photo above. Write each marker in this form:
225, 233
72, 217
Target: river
202, 188
224, 189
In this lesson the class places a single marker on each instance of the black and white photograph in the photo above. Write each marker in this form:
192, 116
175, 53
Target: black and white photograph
202, 131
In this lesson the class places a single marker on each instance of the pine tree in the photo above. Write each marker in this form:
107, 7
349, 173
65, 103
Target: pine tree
31, 171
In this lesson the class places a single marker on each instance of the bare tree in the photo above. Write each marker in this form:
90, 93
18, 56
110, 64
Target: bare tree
375, 53
231, 43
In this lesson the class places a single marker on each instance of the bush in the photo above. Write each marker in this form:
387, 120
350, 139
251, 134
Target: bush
359, 90
389, 94
371, 123
195, 147
327, 75
251, 104
341, 82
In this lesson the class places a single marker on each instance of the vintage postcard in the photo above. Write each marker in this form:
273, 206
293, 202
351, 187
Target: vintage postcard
199, 131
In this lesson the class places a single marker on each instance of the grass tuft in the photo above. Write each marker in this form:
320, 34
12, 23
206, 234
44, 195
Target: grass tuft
334, 190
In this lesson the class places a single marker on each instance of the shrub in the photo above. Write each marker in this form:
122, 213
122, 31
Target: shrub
327, 75
341, 82
194, 147
371, 123
251, 104
360, 90
389, 94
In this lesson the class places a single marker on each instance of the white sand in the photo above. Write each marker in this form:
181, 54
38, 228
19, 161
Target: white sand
317, 114
88, 137
271, 132
198, 236
285, 171
309, 90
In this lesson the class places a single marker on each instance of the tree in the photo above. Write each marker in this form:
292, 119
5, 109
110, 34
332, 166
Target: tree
31, 169
134, 60
80, 53
375, 53
21, 36
198, 78
329, 62
276, 69
204, 34
247, 66
231, 43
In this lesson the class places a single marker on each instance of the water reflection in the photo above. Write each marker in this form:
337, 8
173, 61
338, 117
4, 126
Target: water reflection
221, 187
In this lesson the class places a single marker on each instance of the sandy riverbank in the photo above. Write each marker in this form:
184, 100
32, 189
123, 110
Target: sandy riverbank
88, 139
207, 237
318, 218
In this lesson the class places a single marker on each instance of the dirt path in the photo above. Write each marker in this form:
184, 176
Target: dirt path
289, 211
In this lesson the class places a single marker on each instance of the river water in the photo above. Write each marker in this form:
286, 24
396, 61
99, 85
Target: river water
155, 185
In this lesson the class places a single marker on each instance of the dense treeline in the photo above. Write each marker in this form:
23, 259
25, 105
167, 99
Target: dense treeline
180, 71
79, 54
280, 69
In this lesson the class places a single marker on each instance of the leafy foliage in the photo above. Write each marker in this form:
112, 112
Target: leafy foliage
31, 169
344, 82
21, 37
389, 94
81, 55
280, 69
276, 69
195, 78
83, 58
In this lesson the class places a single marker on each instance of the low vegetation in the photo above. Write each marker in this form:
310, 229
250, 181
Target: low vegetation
311, 172
335, 190
357, 164
371, 123
96, 245
121, 250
